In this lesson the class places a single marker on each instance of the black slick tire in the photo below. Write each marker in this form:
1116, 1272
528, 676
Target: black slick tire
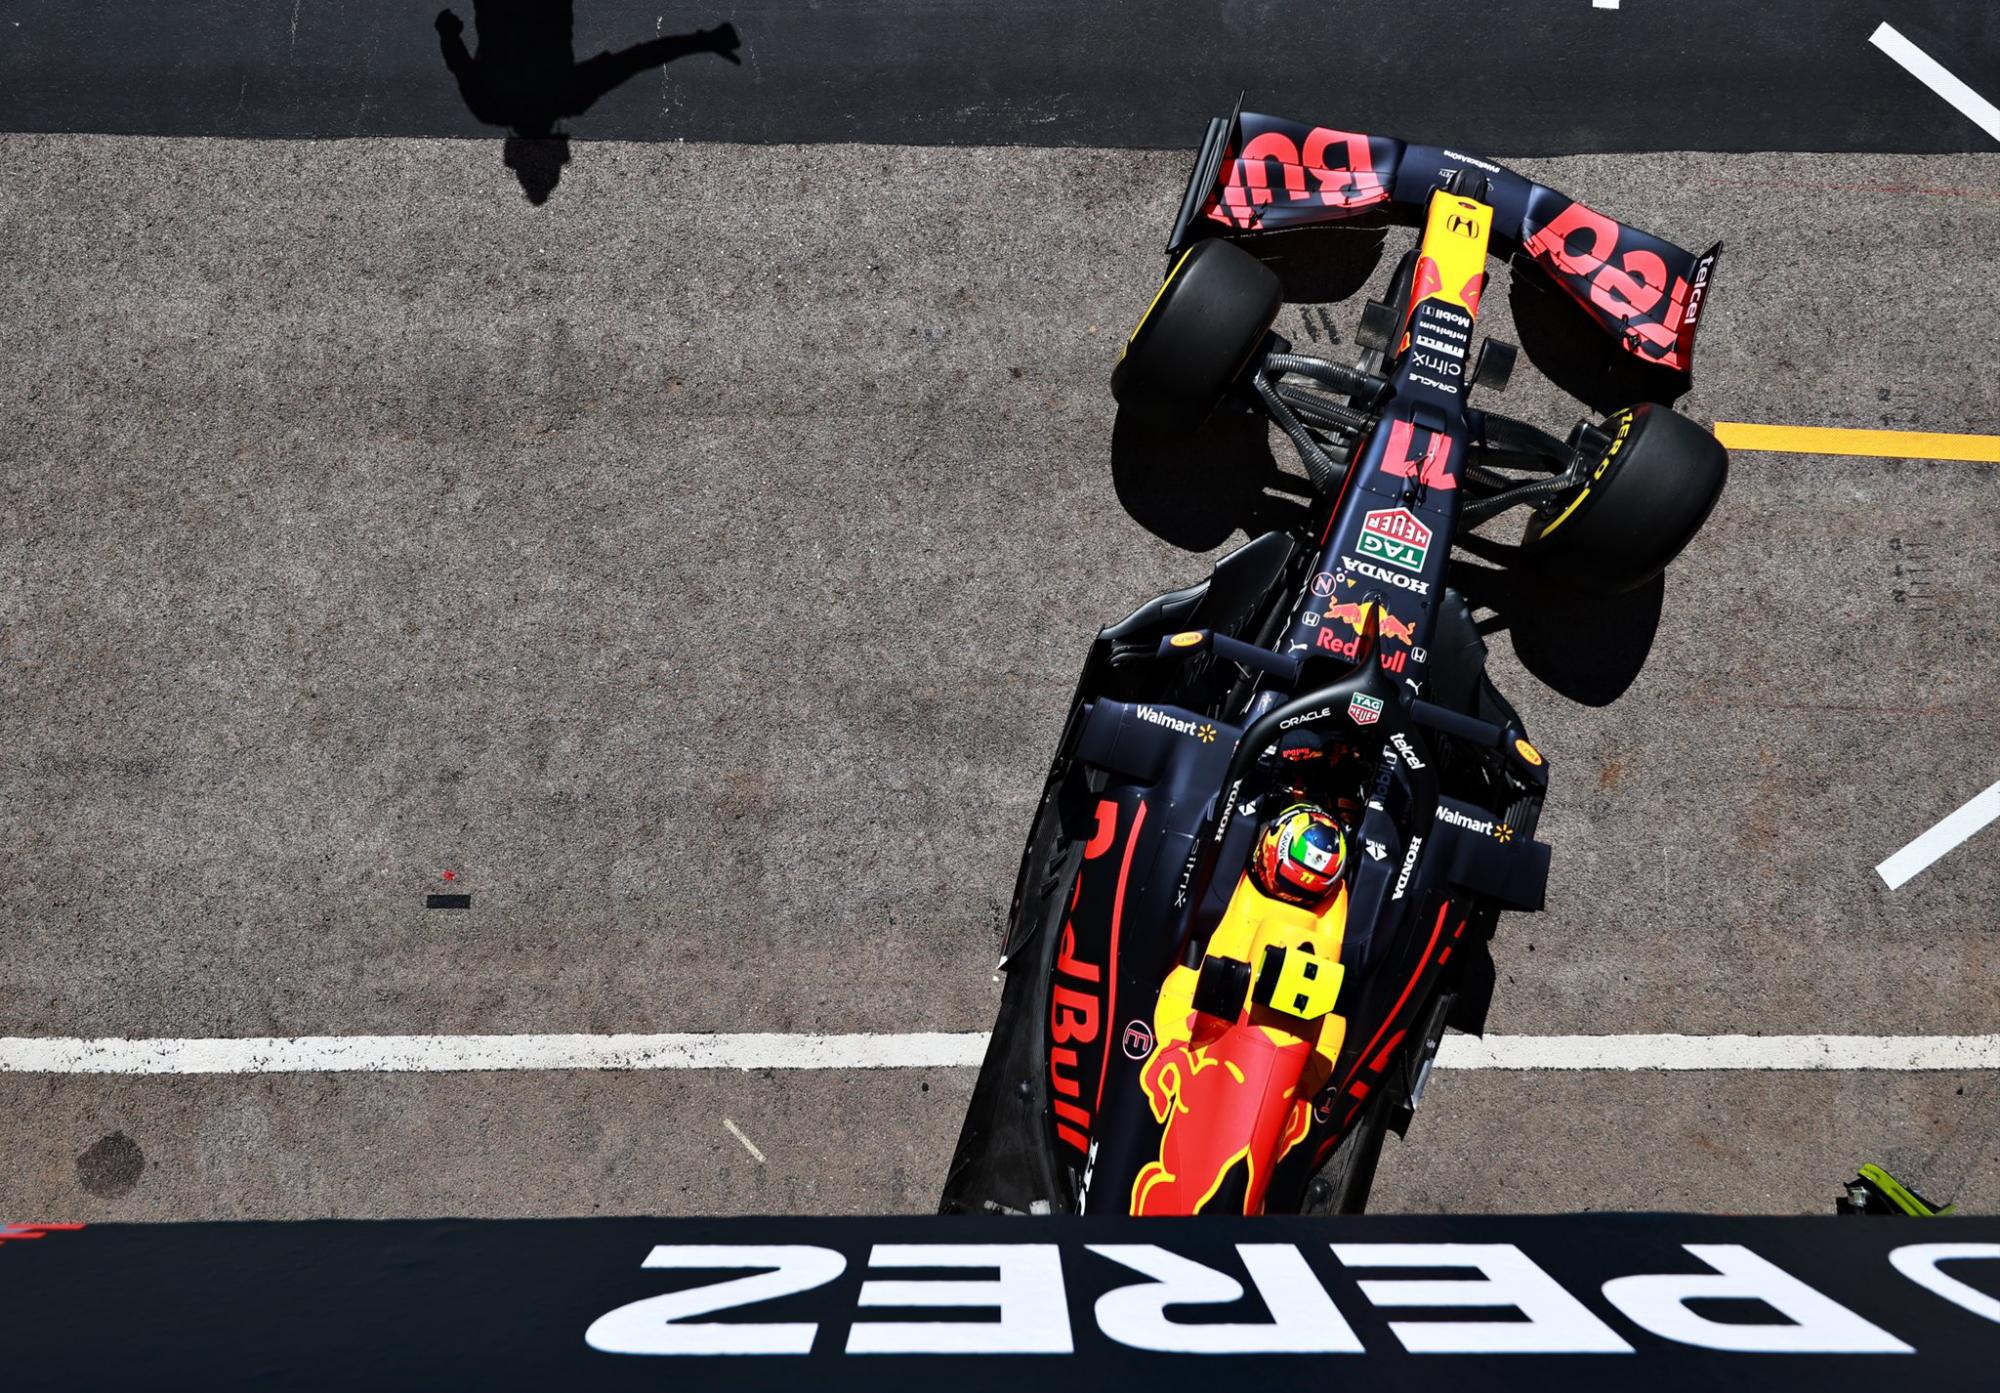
1198, 336
1643, 501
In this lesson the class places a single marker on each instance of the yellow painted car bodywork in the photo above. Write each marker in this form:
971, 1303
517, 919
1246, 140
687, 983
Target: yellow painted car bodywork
1455, 236
1253, 923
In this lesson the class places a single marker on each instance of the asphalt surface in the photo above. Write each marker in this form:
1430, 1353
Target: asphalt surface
697, 567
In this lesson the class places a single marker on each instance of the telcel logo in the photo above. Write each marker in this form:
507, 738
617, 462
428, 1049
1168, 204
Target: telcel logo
1402, 744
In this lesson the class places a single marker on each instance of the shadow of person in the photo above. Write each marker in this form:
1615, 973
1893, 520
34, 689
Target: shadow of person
537, 161
525, 76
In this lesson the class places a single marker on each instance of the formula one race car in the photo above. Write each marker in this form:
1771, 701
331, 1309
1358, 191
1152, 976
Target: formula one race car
1289, 804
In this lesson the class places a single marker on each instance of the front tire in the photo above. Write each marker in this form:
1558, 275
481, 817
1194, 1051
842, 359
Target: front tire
1002, 1163
1648, 494
1198, 335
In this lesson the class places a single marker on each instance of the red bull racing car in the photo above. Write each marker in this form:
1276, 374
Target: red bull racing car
1289, 805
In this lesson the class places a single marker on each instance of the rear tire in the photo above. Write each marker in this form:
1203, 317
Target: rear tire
1647, 496
1002, 1163
1341, 1186
1198, 335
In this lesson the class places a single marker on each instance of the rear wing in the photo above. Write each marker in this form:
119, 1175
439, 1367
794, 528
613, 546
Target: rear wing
1262, 174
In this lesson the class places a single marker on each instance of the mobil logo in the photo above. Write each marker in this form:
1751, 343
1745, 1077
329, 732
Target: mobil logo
1395, 536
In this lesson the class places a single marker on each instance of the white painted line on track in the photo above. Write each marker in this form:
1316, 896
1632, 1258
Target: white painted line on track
1899, 1053
1935, 76
1603, 4
480, 1053
394, 1054
1916, 858
748, 1145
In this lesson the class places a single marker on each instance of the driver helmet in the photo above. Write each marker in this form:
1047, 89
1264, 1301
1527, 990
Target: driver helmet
1299, 855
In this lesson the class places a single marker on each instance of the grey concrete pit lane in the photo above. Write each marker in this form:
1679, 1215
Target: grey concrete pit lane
698, 566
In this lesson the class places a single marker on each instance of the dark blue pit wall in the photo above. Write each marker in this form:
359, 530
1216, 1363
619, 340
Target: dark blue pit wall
1516, 76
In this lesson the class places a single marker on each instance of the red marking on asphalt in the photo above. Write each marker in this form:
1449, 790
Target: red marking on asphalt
1894, 189
451, 875
1868, 708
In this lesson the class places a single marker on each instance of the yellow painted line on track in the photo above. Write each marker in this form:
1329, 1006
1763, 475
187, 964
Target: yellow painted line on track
1825, 440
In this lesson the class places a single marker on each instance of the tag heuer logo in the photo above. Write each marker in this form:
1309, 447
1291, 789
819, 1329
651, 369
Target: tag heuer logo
1364, 710
1396, 536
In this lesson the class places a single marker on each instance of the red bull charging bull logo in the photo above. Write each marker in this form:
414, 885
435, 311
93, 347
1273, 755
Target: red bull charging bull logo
1355, 617
1226, 1102
1231, 1082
